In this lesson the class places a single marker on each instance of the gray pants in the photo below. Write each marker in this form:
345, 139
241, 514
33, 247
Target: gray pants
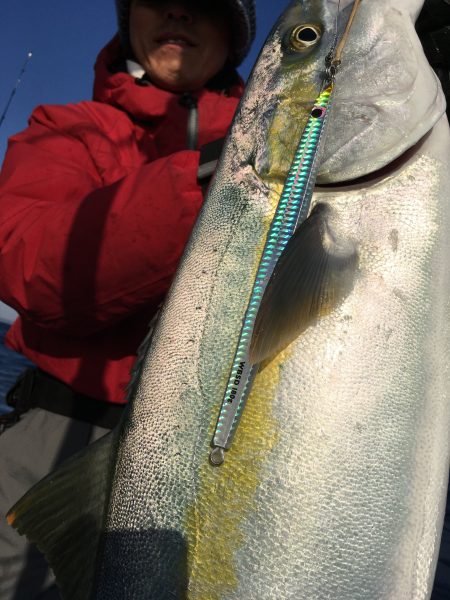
29, 450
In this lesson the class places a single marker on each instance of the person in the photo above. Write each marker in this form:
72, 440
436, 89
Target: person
98, 200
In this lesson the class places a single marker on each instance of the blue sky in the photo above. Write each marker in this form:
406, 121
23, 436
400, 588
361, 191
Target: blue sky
65, 38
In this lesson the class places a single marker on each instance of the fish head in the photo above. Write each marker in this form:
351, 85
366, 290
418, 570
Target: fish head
386, 97
286, 81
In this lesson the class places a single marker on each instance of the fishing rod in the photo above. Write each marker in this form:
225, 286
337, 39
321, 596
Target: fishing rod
14, 90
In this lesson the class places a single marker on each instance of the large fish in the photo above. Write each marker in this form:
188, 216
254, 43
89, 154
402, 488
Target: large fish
334, 485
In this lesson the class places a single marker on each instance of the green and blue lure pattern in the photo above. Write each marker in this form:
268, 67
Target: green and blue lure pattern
292, 210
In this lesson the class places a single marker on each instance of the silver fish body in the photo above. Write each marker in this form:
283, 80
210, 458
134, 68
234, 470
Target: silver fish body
335, 483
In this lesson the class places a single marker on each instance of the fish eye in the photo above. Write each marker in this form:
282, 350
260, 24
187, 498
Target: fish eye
304, 36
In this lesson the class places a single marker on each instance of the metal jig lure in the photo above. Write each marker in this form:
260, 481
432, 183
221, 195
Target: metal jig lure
292, 209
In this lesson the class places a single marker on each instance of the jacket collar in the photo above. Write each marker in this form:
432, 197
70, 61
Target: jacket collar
135, 69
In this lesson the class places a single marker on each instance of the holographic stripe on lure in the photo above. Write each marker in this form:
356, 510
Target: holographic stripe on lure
292, 209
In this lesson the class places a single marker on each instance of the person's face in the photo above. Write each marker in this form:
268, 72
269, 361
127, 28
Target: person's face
180, 44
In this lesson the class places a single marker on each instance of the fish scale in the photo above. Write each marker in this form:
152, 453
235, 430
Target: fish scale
292, 209
363, 435
335, 484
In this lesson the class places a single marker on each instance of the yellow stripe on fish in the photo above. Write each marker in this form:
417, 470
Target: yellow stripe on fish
226, 495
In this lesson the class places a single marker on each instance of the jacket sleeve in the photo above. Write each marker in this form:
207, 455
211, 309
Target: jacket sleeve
76, 254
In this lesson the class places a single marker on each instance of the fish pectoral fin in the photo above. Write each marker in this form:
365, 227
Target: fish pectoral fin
63, 515
313, 275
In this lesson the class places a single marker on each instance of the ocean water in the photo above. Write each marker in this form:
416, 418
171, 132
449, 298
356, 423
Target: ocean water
11, 365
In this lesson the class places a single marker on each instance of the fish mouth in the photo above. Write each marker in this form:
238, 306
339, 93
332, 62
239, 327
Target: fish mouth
380, 174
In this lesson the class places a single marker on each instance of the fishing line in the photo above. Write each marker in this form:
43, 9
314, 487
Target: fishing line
331, 53
340, 48
14, 90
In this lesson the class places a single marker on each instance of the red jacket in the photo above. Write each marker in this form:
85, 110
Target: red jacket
97, 201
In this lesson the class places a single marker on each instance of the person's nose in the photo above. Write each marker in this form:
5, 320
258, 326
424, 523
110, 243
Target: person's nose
178, 11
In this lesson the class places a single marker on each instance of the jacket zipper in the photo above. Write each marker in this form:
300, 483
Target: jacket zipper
191, 102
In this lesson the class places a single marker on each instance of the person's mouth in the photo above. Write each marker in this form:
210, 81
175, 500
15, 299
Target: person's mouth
175, 39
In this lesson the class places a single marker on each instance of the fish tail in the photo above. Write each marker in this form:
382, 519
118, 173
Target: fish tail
64, 513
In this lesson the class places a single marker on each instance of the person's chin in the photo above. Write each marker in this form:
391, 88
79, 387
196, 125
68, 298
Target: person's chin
179, 80
172, 84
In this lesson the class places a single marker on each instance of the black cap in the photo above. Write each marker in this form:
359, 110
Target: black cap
243, 15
